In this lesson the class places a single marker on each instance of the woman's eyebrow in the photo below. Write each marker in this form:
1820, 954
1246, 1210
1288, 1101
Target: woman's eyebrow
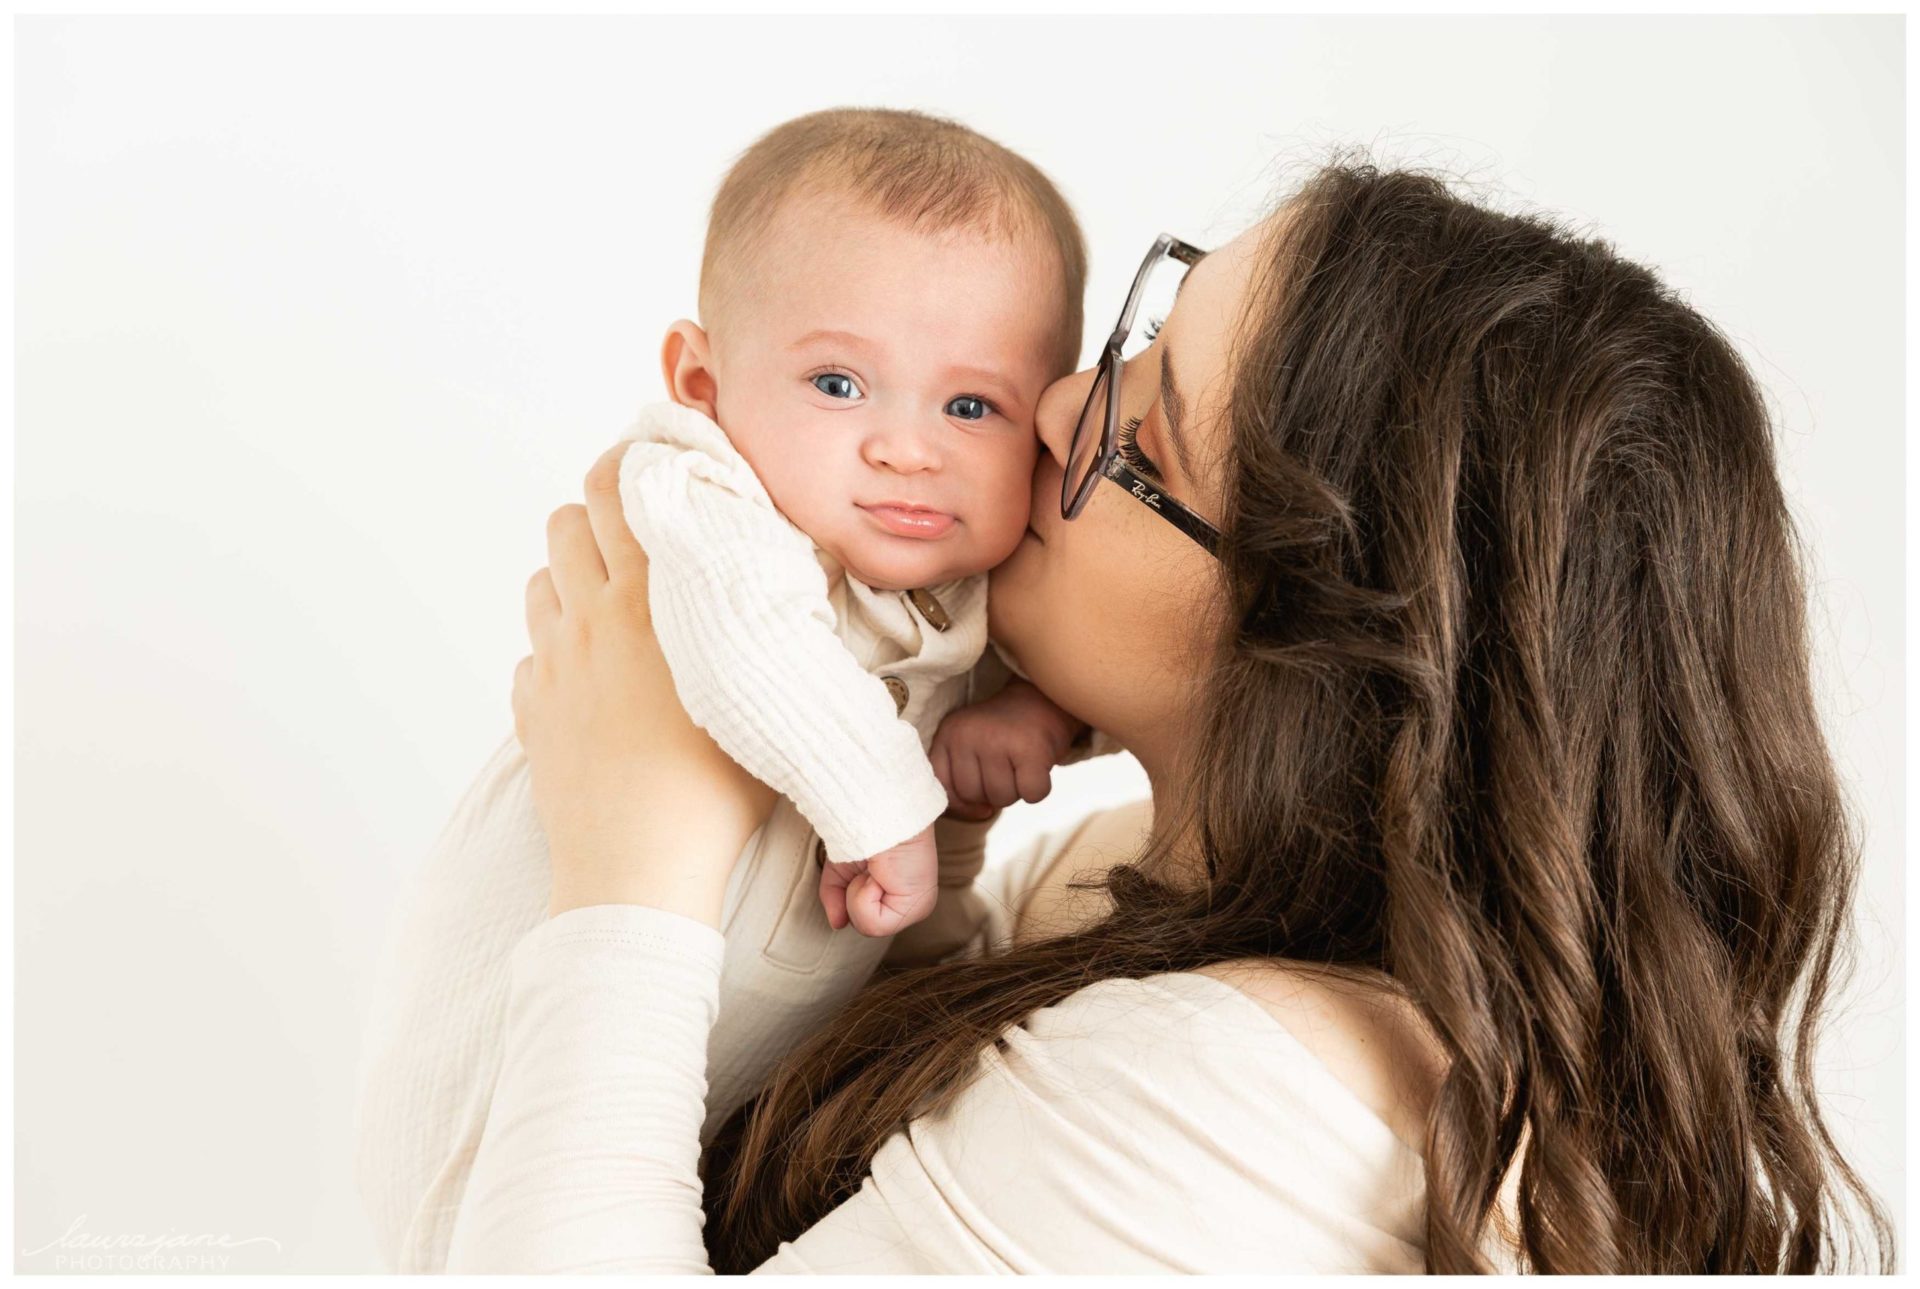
1170, 398
1176, 409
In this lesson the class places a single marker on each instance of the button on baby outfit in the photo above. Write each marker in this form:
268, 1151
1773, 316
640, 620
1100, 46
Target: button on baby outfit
930, 608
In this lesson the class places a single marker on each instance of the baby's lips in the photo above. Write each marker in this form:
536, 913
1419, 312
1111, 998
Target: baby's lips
911, 520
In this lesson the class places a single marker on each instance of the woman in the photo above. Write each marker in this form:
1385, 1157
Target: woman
1471, 680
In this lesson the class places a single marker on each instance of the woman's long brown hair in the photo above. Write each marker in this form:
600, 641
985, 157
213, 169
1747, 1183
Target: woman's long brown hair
1513, 591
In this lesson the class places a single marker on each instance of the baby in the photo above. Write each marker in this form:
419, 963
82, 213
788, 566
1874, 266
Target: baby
874, 354
884, 297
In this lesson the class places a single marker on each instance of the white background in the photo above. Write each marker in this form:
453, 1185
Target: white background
318, 318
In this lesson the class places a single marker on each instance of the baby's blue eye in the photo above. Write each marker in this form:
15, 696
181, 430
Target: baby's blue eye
968, 408
835, 385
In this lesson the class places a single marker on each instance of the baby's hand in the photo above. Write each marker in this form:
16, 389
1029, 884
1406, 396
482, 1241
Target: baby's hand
1001, 750
885, 893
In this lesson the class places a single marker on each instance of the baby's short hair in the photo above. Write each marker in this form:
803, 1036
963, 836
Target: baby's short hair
925, 171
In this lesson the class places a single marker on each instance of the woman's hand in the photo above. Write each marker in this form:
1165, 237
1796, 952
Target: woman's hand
640, 805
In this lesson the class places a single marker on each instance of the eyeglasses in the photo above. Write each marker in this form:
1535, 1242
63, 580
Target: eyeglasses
1093, 455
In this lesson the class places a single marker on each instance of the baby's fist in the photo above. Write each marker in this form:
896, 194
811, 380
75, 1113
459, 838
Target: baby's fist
884, 893
1002, 750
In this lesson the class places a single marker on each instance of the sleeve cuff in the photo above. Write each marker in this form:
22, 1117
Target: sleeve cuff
674, 935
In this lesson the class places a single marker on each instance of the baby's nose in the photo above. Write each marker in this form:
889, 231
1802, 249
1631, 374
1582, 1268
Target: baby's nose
905, 449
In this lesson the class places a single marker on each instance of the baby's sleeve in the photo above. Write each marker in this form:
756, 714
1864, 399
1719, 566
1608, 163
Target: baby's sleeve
739, 603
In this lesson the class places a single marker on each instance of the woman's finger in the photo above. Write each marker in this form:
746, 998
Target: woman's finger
620, 551
573, 555
543, 606
522, 680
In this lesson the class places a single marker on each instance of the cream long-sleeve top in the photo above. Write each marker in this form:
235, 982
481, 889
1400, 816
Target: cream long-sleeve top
1166, 1123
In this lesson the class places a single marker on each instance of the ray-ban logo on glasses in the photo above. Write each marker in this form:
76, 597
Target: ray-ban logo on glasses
1141, 491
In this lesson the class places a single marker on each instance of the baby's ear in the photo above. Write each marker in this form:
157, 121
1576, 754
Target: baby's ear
686, 360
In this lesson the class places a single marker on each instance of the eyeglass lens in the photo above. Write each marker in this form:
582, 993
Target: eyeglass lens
1150, 308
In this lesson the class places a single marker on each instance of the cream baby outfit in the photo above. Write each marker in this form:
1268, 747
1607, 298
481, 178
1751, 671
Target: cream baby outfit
763, 660
827, 690
1159, 1124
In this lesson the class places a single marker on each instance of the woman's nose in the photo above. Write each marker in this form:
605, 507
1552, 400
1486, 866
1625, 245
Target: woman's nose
1058, 411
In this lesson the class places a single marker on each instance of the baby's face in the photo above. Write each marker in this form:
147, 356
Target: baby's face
882, 383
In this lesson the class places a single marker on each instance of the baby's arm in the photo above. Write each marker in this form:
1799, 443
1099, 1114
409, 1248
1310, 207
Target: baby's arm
885, 893
962, 856
986, 755
740, 605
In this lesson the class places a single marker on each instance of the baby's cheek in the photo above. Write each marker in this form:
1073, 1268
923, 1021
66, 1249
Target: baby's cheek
1010, 507
998, 475
1001, 512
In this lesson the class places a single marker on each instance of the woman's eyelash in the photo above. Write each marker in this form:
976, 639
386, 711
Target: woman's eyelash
1153, 328
1130, 448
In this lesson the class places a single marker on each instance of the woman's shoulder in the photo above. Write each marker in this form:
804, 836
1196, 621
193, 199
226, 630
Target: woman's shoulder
1168, 1123
1258, 1033
1363, 1032
1367, 1034
1333, 1073
1357, 1024
1256, 1113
